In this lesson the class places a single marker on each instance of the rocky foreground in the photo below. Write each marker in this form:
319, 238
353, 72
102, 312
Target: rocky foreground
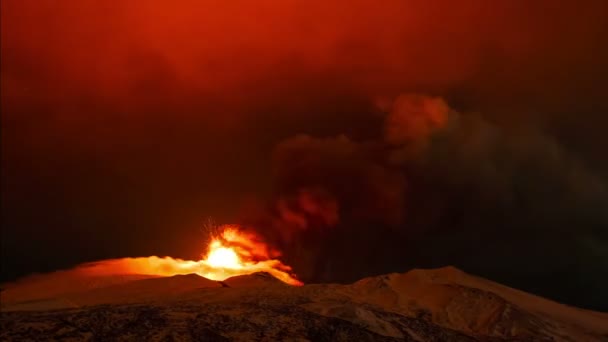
421, 305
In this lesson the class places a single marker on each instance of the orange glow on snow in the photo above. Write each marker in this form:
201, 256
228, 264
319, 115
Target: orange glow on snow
234, 252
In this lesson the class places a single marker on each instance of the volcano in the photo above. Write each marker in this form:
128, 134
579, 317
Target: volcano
258, 170
443, 304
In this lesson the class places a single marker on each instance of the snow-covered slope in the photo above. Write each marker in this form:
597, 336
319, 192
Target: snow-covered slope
421, 305
453, 299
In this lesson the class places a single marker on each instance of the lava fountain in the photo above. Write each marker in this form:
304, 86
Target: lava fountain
233, 252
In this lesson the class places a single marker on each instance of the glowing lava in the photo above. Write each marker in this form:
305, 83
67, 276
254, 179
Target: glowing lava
234, 252
223, 257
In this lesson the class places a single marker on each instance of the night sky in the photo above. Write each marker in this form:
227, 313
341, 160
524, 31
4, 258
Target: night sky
359, 139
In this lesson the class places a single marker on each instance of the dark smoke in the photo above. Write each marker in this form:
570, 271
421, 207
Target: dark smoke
437, 187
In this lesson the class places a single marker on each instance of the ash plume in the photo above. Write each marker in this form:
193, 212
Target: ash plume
434, 174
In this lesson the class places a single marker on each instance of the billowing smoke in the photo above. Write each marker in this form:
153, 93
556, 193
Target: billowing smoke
436, 186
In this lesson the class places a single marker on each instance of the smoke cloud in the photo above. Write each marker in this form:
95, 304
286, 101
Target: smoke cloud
434, 174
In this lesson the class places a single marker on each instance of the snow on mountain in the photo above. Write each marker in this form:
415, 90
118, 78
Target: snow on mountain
420, 305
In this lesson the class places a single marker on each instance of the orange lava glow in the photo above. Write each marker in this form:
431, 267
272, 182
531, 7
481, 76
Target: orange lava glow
234, 252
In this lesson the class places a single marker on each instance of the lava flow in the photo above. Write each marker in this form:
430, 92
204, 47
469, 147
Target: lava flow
233, 252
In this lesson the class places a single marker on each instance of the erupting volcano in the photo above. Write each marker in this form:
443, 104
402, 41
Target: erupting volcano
366, 152
232, 252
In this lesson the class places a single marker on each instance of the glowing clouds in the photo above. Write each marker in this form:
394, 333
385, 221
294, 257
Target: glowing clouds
412, 121
415, 117
309, 205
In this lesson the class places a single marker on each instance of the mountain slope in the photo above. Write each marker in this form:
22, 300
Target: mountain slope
421, 305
